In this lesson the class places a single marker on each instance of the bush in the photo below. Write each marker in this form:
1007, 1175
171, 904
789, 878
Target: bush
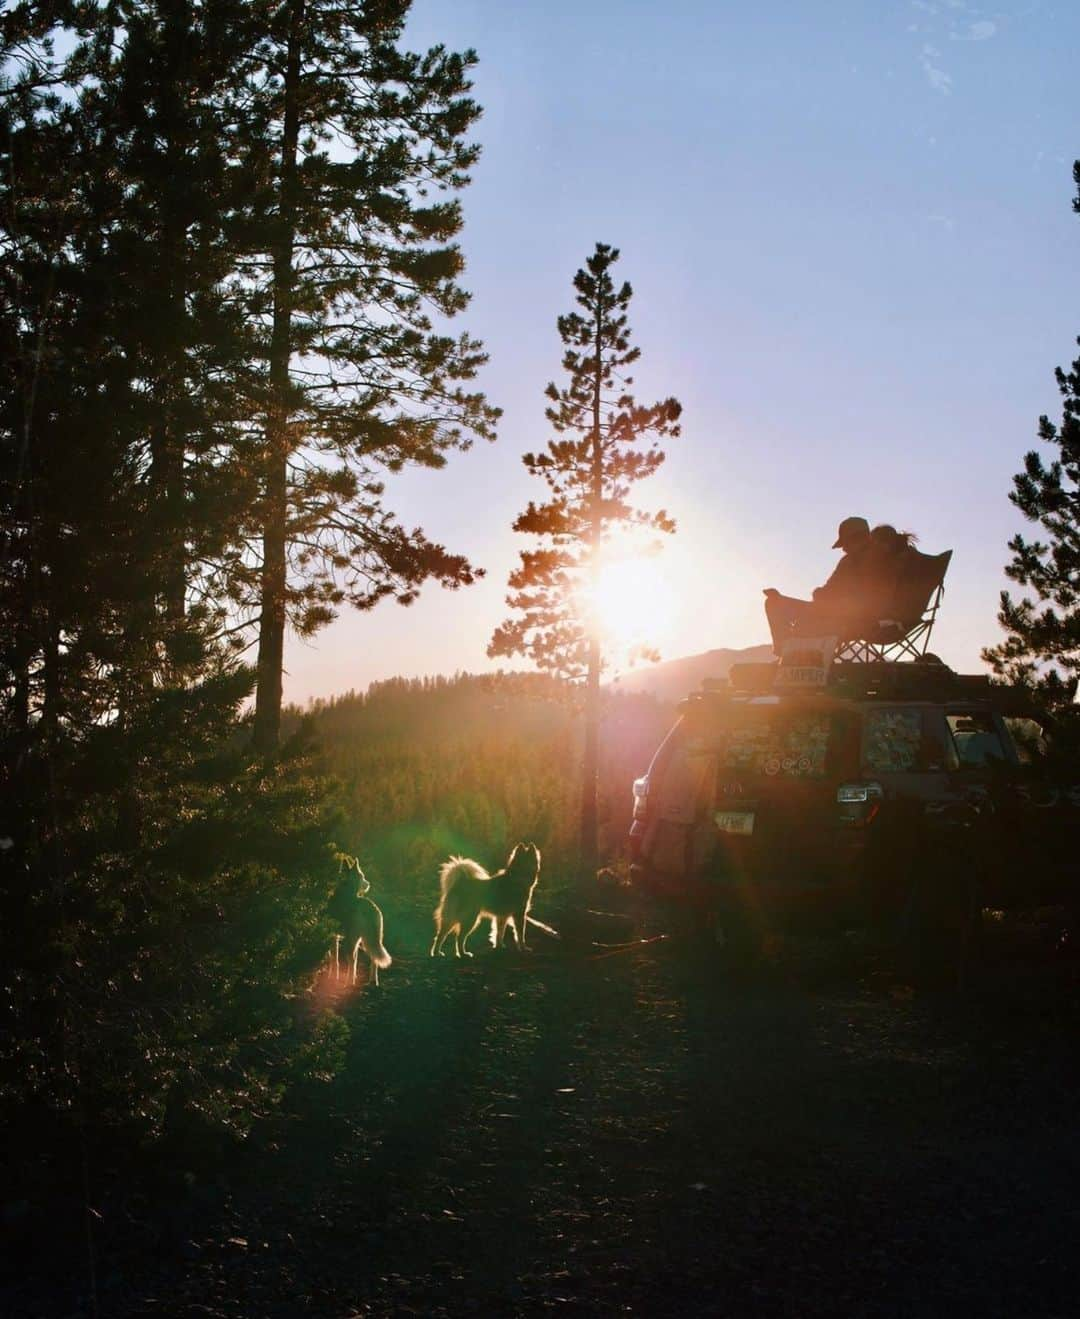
156, 931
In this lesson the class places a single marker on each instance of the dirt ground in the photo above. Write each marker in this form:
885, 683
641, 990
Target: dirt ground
646, 1132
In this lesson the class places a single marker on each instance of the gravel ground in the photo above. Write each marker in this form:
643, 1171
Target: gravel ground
644, 1132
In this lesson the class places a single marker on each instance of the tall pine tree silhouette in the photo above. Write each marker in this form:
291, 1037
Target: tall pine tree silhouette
1042, 645
363, 144
123, 366
604, 443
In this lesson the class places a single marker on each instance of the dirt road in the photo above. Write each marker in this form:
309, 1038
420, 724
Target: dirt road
637, 1134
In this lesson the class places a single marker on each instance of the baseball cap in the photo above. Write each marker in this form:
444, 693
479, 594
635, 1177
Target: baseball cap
848, 528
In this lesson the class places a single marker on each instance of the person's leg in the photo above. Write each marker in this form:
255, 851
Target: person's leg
819, 621
786, 616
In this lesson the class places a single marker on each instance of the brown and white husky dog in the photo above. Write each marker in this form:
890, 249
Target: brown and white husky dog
468, 894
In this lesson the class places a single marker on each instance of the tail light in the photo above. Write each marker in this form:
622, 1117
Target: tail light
641, 796
859, 802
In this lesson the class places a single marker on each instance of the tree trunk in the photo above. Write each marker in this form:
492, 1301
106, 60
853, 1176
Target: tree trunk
167, 475
22, 640
52, 695
591, 758
168, 439
590, 764
275, 515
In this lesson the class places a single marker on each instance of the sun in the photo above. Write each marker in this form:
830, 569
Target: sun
632, 605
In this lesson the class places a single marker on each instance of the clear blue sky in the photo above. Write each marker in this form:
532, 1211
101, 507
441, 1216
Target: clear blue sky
848, 228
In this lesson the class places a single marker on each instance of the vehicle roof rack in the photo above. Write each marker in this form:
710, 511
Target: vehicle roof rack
923, 679
747, 677
913, 680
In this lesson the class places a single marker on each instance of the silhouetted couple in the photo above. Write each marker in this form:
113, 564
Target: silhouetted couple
857, 595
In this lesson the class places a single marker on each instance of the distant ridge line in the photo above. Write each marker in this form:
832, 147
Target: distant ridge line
673, 679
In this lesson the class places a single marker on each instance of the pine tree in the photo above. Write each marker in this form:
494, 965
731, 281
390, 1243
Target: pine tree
30, 237
124, 416
604, 443
64, 466
172, 104
359, 381
1042, 646
158, 889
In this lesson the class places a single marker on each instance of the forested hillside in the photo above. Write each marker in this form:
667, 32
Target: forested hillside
473, 764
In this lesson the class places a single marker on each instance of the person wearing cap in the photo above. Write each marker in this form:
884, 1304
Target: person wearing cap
835, 606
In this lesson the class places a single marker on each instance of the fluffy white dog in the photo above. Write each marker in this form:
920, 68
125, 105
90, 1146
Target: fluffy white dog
468, 894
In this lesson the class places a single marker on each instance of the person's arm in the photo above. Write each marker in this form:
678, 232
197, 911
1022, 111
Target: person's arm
840, 583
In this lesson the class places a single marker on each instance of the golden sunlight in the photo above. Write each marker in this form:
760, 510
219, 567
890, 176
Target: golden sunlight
632, 605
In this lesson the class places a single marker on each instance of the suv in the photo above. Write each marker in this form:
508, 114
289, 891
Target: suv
840, 795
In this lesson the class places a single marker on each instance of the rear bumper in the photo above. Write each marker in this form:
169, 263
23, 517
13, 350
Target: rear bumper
827, 873
845, 884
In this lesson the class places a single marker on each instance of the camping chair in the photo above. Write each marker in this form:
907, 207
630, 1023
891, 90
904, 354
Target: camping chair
908, 616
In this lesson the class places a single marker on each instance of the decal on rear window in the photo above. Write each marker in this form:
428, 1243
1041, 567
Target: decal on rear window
892, 739
792, 748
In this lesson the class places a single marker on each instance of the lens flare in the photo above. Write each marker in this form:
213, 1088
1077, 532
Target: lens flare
631, 606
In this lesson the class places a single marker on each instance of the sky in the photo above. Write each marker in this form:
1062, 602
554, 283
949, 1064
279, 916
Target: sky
849, 232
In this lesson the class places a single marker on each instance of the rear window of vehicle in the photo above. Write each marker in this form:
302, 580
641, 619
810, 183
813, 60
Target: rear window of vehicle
892, 740
770, 741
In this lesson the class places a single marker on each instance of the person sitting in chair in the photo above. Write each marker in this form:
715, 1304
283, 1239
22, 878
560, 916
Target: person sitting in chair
838, 605
888, 542
889, 557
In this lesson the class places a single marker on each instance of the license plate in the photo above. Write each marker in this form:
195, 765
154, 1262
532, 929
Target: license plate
735, 822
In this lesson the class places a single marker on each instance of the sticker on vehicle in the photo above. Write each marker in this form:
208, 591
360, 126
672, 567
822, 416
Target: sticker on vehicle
735, 822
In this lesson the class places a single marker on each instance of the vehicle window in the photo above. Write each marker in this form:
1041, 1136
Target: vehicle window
892, 740
939, 750
783, 746
975, 738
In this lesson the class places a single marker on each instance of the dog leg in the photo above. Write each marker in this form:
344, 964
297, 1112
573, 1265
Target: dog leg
464, 951
520, 925
374, 971
355, 958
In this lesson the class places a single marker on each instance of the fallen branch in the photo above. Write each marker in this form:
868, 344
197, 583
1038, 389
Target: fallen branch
610, 949
531, 920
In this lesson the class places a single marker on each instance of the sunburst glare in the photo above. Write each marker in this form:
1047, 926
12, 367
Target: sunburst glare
631, 605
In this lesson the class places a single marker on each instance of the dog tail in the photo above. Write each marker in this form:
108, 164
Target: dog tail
377, 953
458, 865
369, 929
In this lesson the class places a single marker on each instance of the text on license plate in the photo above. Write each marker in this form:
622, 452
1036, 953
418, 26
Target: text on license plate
735, 822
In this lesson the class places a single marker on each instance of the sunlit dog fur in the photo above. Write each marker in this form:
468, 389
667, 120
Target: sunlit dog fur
360, 923
468, 894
